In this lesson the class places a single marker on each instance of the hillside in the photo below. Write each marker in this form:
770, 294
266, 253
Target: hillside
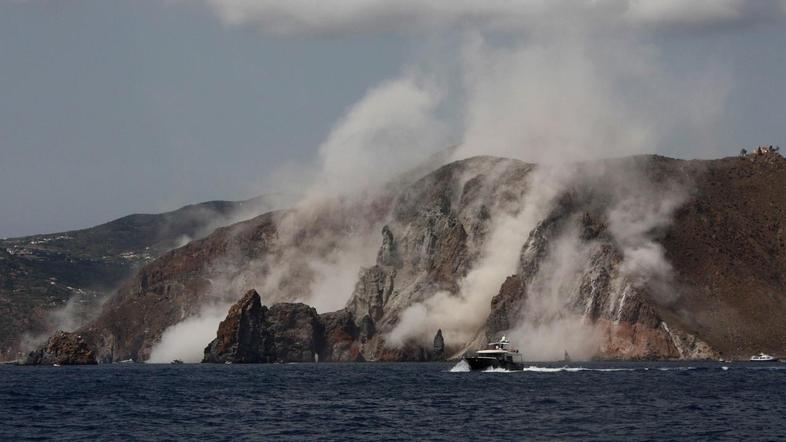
641, 257
60, 279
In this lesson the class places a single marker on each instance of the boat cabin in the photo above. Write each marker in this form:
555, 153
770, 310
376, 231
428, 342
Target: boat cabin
501, 350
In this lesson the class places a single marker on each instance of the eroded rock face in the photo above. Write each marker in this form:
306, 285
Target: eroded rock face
285, 332
253, 333
726, 243
435, 235
243, 336
439, 346
297, 332
343, 339
594, 290
62, 349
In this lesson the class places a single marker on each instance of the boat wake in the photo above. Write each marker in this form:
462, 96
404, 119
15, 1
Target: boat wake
460, 367
535, 369
498, 370
565, 369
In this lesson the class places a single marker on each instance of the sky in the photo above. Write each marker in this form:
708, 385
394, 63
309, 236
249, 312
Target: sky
112, 108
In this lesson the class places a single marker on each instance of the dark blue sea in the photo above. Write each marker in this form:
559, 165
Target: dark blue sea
589, 401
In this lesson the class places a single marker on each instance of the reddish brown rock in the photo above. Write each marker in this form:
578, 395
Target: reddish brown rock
342, 341
242, 336
62, 349
726, 244
253, 333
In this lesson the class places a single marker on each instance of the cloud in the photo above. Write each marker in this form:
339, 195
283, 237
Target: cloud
705, 13
353, 16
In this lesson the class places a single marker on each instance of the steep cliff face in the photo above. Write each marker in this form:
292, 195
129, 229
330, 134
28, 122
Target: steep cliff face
650, 257
728, 245
435, 235
725, 295
434, 227
243, 336
596, 292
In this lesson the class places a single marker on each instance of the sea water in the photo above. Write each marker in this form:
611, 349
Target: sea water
586, 401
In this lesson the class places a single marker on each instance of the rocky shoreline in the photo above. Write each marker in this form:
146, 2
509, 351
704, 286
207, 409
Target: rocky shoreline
724, 245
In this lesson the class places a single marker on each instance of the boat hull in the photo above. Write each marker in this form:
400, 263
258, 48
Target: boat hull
481, 363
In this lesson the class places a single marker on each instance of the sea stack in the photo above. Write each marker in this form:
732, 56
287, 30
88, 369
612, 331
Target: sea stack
254, 333
242, 337
439, 346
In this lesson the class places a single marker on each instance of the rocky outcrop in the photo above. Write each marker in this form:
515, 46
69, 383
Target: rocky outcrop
298, 333
285, 332
62, 349
439, 346
253, 333
343, 339
243, 336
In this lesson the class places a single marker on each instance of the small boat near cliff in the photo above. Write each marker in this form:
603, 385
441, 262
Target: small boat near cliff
762, 357
498, 355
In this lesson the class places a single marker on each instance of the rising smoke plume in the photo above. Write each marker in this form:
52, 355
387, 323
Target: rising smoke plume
391, 130
544, 81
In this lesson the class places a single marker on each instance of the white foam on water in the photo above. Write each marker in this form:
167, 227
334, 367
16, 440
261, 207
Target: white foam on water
460, 367
535, 369
572, 369
676, 368
497, 370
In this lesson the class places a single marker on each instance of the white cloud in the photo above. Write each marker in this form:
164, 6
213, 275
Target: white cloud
352, 16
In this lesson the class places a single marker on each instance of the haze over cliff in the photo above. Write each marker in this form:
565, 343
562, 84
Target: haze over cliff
549, 219
619, 258
60, 280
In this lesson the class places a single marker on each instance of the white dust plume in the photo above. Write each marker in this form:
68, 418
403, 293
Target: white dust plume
460, 315
549, 81
186, 340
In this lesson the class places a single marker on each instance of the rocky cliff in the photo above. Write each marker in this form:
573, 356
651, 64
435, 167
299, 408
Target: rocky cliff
60, 279
650, 257
285, 332
62, 349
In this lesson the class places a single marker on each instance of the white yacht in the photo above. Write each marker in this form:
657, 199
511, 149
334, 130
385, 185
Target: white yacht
761, 357
498, 355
